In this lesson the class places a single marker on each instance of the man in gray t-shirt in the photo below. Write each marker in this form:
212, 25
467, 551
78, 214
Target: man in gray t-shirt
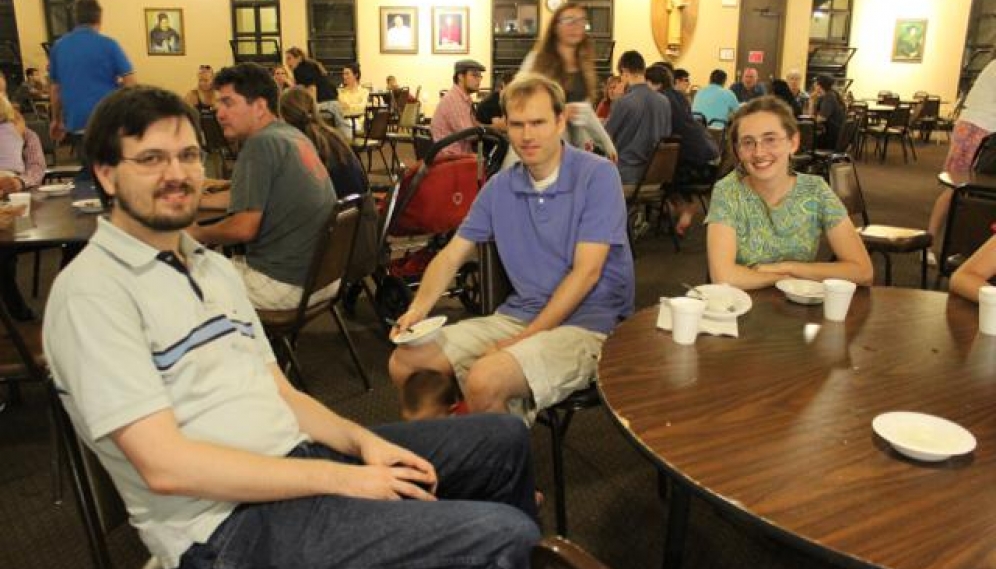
281, 192
638, 120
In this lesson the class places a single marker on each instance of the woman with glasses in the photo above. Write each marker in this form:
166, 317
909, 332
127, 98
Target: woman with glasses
765, 221
566, 54
202, 97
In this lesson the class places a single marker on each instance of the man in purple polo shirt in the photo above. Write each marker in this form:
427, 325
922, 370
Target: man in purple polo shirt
559, 221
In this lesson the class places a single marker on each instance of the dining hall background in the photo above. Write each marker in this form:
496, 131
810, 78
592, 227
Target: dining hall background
207, 26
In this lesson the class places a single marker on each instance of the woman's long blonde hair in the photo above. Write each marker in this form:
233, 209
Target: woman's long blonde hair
549, 63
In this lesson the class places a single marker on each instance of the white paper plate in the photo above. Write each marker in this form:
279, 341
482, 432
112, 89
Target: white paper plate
923, 437
421, 332
56, 189
719, 298
801, 290
92, 205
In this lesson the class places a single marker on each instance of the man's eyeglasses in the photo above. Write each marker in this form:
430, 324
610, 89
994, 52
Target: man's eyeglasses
157, 161
572, 21
205, 68
766, 143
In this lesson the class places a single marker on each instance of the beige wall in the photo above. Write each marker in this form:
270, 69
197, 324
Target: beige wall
208, 29
872, 69
430, 71
31, 32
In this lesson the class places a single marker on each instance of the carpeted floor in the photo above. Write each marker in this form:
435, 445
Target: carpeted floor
613, 503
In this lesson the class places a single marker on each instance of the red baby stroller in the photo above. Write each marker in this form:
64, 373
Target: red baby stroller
422, 214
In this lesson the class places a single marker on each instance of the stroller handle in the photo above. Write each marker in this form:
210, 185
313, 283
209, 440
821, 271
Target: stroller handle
480, 133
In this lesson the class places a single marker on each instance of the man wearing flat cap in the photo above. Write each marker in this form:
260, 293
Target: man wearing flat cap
455, 112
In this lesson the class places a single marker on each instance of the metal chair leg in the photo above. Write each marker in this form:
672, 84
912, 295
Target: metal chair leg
923, 268
296, 376
36, 274
560, 498
352, 348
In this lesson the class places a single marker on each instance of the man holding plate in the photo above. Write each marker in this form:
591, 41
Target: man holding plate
559, 222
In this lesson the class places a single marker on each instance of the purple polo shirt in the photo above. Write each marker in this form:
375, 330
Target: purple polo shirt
536, 233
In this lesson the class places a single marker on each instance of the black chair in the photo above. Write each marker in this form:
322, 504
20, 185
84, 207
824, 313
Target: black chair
495, 287
559, 553
897, 126
652, 188
22, 359
845, 143
402, 131
926, 120
100, 505
329, 264
971, 222
803, 157
375, 137
21, 355
882, 239
422, 141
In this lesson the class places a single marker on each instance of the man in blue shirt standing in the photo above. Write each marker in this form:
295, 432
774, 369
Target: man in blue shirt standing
559, 222
84, 66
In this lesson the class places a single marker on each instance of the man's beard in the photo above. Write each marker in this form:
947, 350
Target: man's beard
156, 222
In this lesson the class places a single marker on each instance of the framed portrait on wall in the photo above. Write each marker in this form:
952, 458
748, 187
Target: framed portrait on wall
164, 33
398, 29
450, 30
908, 40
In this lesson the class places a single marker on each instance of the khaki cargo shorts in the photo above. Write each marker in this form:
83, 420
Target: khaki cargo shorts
555, 363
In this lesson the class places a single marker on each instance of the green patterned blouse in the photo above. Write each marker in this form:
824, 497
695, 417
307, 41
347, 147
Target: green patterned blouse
790, 231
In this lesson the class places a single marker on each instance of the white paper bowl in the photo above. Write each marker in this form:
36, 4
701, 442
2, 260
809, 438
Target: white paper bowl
802, 291
923, 437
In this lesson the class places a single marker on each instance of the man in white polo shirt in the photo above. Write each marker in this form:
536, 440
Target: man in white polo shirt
163, 367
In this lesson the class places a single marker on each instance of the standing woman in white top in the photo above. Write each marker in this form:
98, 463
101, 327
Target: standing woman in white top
977, 120
566, 54
352, 97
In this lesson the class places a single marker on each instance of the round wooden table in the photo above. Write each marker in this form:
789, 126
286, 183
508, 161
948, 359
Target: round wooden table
775, 426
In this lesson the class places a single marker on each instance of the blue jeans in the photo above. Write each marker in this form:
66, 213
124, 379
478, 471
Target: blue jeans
477, 457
